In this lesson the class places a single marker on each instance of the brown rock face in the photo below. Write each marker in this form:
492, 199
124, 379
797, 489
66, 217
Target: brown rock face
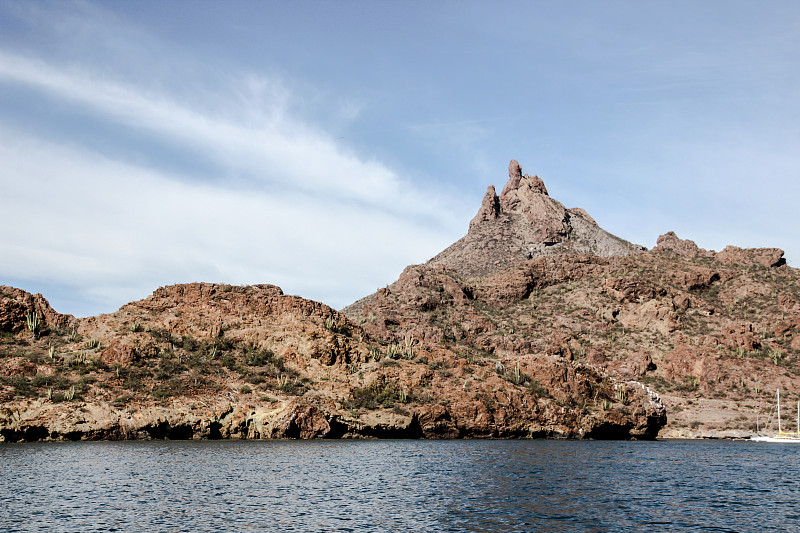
535, 324
768, 257
514, 176
671, 243
634, 367
711, 336
490, 208
15, 304
490, 322
118, 353
205, 360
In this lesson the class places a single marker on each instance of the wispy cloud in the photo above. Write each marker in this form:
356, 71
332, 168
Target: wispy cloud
254, 136
287, 204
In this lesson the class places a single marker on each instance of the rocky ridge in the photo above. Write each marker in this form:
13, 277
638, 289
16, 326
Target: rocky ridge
715, 333
215, 361
537, 323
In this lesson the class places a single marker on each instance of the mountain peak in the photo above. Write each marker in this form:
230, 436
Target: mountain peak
524, 222
520, 185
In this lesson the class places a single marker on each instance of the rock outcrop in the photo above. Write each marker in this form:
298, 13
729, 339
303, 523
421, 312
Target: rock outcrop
17, 305
525, 222
767, 257
671, 243
490, 208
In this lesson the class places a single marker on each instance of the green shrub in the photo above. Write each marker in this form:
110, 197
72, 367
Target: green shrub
537, 388
263, 358
22, 386
189, 344
169, 388
333, 324
381, 392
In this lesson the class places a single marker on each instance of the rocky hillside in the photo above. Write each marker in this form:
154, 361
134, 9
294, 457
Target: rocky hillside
714, 333
216, 361
538, 323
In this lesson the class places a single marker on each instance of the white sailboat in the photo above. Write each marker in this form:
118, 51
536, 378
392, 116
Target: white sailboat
780, 436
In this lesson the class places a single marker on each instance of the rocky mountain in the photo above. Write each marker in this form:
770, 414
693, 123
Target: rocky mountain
523, 223
216, 361
538, 323
714, 333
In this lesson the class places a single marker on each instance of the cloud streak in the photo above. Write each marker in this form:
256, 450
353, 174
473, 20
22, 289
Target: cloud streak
286, 204
276, 148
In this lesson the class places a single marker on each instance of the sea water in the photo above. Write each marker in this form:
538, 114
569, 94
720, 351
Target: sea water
548, 486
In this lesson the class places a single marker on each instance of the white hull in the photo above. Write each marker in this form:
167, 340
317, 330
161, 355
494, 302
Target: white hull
787, 439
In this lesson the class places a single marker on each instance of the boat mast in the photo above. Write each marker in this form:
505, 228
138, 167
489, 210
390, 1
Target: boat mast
779, 411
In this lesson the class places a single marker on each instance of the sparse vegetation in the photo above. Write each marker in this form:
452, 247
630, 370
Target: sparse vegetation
92, 344
382, 392
335, 325
487, 339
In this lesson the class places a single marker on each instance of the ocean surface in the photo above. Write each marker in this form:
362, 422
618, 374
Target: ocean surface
552, 486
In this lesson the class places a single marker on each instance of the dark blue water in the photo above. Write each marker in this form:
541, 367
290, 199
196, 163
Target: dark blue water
400, 486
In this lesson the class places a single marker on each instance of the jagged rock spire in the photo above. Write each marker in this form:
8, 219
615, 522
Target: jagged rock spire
520, 189
514, 176
490, 208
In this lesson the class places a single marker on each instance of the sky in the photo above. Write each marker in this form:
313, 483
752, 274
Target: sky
323, 146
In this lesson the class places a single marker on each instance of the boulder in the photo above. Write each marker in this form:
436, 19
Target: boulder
766, 257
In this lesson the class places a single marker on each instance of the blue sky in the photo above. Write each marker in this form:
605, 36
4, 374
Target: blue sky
324, 146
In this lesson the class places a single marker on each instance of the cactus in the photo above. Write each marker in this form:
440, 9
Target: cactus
408, 346
73, 336
34, 322
92, 344
517, 374
283, 382
622, 396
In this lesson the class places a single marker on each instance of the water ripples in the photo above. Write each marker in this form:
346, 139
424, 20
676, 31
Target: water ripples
474, 486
